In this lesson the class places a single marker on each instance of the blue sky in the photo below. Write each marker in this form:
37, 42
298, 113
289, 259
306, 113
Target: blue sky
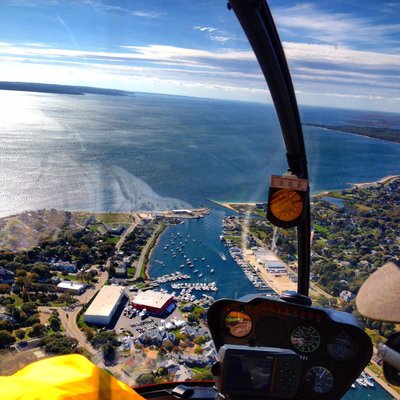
341, 54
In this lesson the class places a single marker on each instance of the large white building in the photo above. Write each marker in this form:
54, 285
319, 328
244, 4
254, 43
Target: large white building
102, 309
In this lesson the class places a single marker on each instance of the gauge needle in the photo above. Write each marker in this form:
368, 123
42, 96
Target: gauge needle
323, 372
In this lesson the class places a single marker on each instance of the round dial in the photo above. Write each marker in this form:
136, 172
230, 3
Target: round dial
238, 323
342, 347
286, 205
319, 380
305, 339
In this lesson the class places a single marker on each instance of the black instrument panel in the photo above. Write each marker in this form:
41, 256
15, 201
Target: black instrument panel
332, 346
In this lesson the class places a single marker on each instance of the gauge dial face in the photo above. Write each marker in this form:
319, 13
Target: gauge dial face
319, 380
305, 339
286, 205
342, 347
238, 323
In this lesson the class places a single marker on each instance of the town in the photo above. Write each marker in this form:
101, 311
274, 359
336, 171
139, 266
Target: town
77, 282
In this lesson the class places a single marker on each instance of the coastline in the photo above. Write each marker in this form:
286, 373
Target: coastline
274, 282
361, 185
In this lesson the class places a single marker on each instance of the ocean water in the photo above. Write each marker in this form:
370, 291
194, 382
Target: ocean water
153, 152
159, 152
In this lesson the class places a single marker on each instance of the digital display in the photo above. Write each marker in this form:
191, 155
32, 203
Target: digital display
248, 373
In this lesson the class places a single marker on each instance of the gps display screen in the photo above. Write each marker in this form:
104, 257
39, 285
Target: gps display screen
248, 373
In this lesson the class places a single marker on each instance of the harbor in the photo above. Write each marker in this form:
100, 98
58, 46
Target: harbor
194, 249
200, 245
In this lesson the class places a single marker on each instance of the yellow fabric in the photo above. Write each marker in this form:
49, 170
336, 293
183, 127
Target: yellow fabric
65, 377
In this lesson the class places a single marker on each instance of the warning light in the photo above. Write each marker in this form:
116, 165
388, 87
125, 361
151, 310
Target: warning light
286, 200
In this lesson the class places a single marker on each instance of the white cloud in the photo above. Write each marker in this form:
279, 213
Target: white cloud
146, 14
316, 68
208, 29
34, 44
215, 34
339, 55
309, 22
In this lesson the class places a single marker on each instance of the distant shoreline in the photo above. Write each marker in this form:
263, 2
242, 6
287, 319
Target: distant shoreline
387, 134
360, 185
60, 89
326, 193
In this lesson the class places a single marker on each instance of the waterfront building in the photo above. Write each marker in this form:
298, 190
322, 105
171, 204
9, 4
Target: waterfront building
154, 302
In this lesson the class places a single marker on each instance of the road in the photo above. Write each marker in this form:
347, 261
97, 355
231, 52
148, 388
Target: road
273, 281
140, 263
68, 315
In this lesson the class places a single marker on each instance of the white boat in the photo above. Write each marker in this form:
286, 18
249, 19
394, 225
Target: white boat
361, 382
367, 379
212, 271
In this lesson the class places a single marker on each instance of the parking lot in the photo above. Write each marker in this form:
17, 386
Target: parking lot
136, 324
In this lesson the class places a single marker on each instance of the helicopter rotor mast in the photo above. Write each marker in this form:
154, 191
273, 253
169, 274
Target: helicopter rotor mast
257, 22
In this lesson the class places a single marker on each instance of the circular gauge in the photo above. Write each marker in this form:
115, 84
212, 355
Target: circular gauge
342, 347
319, 380
238, 323
286, 205
305, 339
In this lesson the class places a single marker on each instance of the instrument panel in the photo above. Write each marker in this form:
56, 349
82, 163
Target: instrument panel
332, 346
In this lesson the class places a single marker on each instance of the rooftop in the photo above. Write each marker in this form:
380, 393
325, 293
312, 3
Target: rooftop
105, 301
71, 285
151, 298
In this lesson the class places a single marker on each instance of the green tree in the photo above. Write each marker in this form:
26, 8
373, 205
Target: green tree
20, 333
55, 322
59, 344
37, 330
89, 333
109, 353
6, 339
29, 308
199, 340
145, 379
5, 325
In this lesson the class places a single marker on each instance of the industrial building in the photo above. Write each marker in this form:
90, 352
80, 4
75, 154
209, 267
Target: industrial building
154, 302
73, 287
105, 304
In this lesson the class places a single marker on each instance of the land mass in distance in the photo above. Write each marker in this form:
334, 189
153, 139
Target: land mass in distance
390, 134
60, 89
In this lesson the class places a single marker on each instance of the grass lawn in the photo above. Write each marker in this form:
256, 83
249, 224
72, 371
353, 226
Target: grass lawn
18, 300
112, 240
321, 229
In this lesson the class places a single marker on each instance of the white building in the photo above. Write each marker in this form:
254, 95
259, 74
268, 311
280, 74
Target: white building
73, 287
102, 309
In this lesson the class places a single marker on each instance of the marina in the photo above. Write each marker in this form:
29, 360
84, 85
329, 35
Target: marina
205, 259
229, 278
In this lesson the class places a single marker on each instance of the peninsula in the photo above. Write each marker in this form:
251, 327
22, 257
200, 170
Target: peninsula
60, 89
381, 133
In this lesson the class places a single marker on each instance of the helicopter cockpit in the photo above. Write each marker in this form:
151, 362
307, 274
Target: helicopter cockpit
286, 348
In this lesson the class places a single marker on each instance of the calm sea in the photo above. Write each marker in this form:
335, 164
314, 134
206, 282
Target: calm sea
158, 152
163, 152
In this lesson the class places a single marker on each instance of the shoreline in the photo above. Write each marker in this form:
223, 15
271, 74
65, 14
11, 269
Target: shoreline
325, 193
361, 185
